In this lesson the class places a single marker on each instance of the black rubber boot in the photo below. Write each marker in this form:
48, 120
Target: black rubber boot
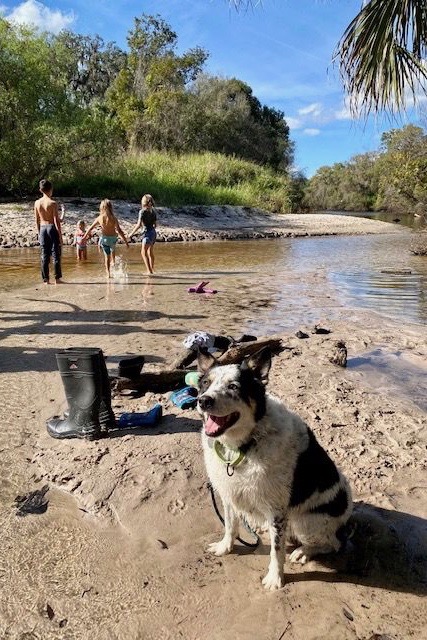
131, 367
81, 376
107, 418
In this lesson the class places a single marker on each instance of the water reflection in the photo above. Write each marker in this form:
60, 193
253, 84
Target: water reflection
393, 373
265, 285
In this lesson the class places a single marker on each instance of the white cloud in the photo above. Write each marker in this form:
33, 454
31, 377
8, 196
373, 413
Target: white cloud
311, 132
314, 109
34, 13
293, 123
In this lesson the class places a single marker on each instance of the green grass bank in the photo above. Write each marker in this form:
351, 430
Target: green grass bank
187, 179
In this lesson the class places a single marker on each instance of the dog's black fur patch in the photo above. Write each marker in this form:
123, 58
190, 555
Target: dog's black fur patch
252, 389
204, 382
335, 507
314, 471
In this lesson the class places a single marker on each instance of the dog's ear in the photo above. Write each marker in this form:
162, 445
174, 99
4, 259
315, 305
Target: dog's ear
204, 360
259, 363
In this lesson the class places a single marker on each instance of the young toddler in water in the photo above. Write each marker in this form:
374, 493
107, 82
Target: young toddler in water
80, 241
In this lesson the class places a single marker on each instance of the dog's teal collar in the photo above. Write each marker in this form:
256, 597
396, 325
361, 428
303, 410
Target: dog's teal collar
232, 456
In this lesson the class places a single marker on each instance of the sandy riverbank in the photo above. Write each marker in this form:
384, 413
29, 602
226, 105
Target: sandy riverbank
188, 223
120, 552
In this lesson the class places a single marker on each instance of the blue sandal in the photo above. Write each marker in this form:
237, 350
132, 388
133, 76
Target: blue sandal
185, 398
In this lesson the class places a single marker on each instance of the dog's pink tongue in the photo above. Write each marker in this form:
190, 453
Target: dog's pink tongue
214, 424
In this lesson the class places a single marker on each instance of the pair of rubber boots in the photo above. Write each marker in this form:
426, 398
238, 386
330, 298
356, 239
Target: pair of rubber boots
87, 388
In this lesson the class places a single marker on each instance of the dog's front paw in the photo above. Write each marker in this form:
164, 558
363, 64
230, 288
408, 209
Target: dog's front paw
299, 555
220, 548
273, 580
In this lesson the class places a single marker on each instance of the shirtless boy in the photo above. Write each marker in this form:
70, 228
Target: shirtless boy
49, 229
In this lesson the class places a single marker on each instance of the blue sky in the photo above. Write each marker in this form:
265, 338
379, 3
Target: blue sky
281, 48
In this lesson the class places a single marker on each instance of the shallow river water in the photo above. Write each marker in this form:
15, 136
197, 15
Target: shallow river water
292, 280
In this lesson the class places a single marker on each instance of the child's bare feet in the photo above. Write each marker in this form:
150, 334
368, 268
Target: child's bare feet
59, 281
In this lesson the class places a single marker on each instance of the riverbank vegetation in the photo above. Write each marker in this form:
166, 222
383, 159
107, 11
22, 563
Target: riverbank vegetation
97, 119
191, 178
394, 178
100, 120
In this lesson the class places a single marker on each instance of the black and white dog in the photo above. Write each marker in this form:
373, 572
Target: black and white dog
267, 465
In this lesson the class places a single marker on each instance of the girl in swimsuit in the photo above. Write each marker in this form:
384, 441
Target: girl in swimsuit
110, 229
148, 220
78, 242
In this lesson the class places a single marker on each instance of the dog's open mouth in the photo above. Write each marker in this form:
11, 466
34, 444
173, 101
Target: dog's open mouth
215, 425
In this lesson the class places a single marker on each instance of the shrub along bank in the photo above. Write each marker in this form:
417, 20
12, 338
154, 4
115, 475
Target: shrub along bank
185, 179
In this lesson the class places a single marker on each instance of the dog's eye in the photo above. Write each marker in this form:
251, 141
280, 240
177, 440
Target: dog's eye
204, 384
233, 386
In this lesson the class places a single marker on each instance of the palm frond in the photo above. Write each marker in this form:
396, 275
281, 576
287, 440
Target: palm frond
382, 54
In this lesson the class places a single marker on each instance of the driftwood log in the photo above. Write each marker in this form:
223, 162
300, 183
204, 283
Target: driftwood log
169, 379
185, 360
236, 353
160, 381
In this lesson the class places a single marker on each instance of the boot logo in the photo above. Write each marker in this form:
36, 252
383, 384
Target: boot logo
73, 366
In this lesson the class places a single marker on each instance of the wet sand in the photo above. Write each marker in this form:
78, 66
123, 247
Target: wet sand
120, 552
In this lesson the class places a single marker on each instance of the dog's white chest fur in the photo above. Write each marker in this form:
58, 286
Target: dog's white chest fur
266, 474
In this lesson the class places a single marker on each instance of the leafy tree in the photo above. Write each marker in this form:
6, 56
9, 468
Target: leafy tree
409, 140
93, 65
43, 129
323, 189
229, 119
403, 170
163, 101
349, 186
67, 101
394, 178
154, 79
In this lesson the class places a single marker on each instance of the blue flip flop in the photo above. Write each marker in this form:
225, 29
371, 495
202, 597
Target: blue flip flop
185, 398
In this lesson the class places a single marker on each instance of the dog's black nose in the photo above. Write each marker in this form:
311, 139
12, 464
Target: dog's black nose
206, 402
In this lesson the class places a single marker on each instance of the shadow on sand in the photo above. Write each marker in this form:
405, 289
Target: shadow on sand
387, 550
168, 424
73, 321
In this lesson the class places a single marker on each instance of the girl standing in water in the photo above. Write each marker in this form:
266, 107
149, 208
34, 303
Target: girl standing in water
78, 242
148, 220
110, 229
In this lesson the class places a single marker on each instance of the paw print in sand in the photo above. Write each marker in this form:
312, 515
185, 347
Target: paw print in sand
176, 506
